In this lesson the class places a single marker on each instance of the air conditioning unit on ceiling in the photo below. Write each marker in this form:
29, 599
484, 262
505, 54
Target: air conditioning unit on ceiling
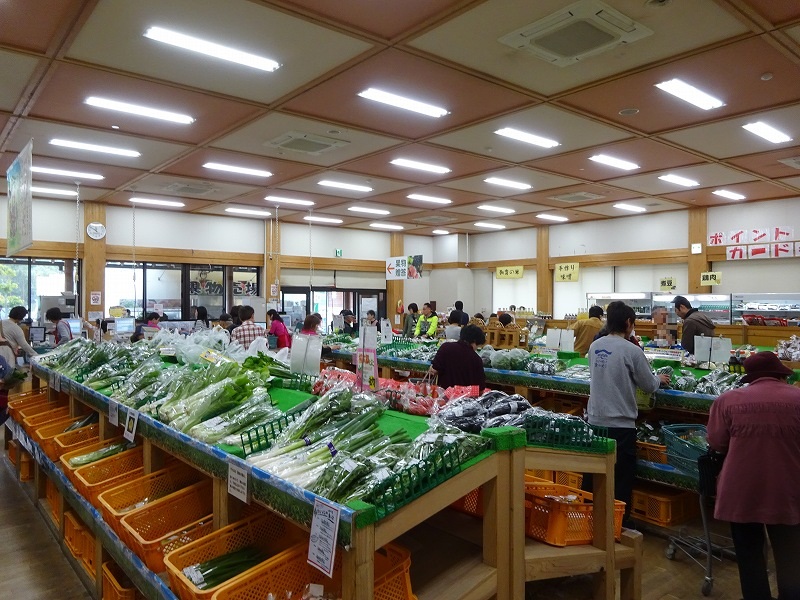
580, 30
306, 143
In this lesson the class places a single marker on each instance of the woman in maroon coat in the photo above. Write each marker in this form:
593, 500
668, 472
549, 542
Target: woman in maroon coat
758, 428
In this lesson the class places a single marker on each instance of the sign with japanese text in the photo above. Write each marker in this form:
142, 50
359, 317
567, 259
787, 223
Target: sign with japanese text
567, 271
717, 238
711, 278
759, 251
667, 284
514, 272
324, 531
736, 252
782, 233
397, 267
738, 236
760, 235
775, 241
783, 250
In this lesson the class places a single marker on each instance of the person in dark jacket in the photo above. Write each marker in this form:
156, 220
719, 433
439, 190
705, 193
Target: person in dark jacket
459, 305
457, 363
694, 323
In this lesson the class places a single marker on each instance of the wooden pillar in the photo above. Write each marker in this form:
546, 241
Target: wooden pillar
544, 275
395, 288
94, 261
272, 261
698, 263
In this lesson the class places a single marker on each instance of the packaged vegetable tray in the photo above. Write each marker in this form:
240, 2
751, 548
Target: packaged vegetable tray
99, 476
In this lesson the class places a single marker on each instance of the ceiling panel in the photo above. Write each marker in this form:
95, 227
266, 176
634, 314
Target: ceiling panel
517, 206
769, 164
123, 199
777, 12
86, 192
263, 137
36, 27
395, 211
678, 27
538, 180
752, 190
220, 208
456, 197
573, 216
378, 186
64, 96
577, 195
569, 130
113, 177
299, 217
465, 97
651, 205
113, 36
184, 187
706, 175
15, 71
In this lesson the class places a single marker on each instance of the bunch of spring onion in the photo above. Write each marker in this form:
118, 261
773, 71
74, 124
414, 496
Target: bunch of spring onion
94, 456
257, 408
172, 399
216, 399
218, 570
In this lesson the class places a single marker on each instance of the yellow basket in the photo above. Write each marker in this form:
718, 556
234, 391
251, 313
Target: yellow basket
64, 459
73, 534
472, 503
563, 523
45, 417
116, 585
17, 454
117, 502
88, 546
52, 496
44, 435
104, 474
266, 531
663, 506
652, 452
290, 571
169, 523
74, 440
18, 402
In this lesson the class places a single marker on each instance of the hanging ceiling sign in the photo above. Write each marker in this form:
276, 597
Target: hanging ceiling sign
20, 208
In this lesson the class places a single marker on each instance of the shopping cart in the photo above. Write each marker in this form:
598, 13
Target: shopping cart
687, 451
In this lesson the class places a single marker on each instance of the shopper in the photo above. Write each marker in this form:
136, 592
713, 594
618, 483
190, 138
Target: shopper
458, 363
311, 323
506, 319
410, 321
235, 320
478, 316
604, 331
427, 323
12, 332
616, 369
459, 305
372, 319
694, 323
452, 330
225, 321
201, 319
248, 331
152, 321
586, 329
278, 329
62, 331
350, 324
757, 427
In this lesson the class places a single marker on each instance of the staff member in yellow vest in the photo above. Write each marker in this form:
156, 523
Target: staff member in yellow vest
427, 323
586, 329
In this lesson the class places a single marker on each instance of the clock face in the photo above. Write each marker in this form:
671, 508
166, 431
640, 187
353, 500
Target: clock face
96, 231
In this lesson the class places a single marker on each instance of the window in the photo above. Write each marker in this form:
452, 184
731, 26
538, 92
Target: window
245, 282
23, 281
124, 288
14, 288
163, 285
207, 288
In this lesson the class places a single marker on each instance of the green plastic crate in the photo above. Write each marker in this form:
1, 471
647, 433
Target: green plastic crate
563, 434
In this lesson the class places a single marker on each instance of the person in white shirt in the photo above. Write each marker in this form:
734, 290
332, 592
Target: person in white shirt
11, 331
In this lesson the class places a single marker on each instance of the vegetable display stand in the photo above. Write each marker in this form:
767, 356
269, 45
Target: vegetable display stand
69, 469
16, 402
74, 440
45, 435
96, 477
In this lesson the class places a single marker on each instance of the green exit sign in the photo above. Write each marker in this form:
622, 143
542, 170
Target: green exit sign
338, 253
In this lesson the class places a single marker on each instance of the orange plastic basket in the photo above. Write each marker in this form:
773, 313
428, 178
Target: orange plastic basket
102, 475
88, 546
266, 531
64, 459
472, 503
169, 523
290, 571
44, 435
561, 523
138, 493
73, 534
30, 424
663, 506
17, 402
74, 440
651, 452
52, 496
39, 406
13, 452
116, 585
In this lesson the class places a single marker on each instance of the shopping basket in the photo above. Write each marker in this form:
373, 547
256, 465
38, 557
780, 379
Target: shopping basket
685, 444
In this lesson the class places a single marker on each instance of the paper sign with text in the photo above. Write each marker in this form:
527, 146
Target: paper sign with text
667, 284
130, 424
514, 272
567, 271
324, 531
711, 278
238, 482
113, 412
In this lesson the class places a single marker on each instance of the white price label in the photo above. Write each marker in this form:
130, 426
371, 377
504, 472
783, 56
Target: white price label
167, 351
113, 412
324, 530
238, 482
51, 380
130, 424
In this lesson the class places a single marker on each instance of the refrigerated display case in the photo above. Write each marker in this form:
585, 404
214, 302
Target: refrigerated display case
716, 306
773, 309
641, 302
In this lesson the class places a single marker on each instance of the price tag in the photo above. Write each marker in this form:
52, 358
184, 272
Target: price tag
51, 380
167, 351
130, 424
24, 440
238, 482
57, 382
213, 356
113, 412
324, 530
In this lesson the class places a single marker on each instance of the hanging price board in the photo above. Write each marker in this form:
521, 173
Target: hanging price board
667, 284
567, 271
711, 278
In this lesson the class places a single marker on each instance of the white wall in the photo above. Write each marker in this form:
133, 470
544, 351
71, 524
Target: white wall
647, 278
355, 244
503, 245
483, 290
519, 292
53, 220
570, 297
661, 231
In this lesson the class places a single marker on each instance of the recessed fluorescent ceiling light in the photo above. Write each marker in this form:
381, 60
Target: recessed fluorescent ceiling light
170, 203
386, 226
282, 200
210, 49
322, 219
517, 185
248, 211
489, 225
142, 111
614, 162
413, 164
95, 148
344, 186
235, 169
402, 102
497, 209
432, 199
768, 133
369, 211
630, 207
528, 138
552, 218
440, 231
678, 180
53, 191
74, 174
729, 195
689, 93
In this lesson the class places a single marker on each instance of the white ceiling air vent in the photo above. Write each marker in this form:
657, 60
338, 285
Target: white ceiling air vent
793, 162
194, 188
576, 32
434, 220
305, 143
576, 197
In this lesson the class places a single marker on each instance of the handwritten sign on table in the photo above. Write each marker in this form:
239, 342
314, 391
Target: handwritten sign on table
324, 530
